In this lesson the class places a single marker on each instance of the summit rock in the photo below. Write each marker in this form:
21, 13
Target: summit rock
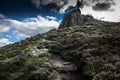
74, 18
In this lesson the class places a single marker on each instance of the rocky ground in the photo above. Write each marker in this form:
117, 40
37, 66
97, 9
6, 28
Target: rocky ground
59, 69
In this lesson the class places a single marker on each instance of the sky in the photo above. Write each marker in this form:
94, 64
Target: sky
20, 19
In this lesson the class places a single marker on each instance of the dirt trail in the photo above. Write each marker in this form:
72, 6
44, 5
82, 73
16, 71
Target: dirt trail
63, 70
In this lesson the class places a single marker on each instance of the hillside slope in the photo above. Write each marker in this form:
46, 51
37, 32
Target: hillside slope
93, 49
89, 51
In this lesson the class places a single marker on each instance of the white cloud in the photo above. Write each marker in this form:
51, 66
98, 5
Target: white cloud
3, 28
2, 16
4, 41
29, 26
51, 17
113, 16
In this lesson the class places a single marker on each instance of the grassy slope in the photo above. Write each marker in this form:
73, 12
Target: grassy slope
95, 49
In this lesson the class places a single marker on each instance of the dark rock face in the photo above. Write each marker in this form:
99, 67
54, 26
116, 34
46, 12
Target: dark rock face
74, 18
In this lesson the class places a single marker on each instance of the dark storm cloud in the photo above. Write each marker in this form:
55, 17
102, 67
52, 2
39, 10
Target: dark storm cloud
37, 3
97, 5
53, 5
100, 5
89, 2
103, 5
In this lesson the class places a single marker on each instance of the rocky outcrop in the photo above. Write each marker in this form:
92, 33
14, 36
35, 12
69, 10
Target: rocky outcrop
74, 18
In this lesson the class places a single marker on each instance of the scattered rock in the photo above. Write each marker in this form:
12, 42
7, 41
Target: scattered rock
37, 52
